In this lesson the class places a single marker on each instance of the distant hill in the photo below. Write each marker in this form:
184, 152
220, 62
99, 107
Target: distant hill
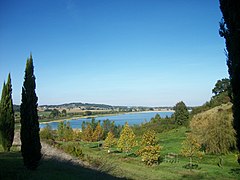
92, 106
79, 104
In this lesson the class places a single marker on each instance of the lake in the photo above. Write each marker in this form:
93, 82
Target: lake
119, 119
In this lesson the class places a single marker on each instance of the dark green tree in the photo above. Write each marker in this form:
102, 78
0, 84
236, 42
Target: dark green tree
54, 113
181, 114
6, 116
31, 146
230, 30
64, 112
221, 86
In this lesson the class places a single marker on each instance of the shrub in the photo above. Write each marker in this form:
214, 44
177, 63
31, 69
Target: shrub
73, 149
64, 131
46, 132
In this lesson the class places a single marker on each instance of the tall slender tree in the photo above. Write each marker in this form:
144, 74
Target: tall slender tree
230, 30
31, 146
6, 116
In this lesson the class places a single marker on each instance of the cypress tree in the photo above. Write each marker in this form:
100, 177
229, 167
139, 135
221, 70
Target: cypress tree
31, 146
230, 30
7, 116
2, 111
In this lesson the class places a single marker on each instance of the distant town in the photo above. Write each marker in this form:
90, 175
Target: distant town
78, 107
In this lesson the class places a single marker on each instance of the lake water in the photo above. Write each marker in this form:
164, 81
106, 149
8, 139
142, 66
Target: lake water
119, 119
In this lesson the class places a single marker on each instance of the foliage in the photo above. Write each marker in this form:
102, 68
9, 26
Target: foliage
83, 126
156, 118
191, 148
214, 130
6, 116
150, 154
64, 131
68, 132
46, 132
221, 86
107, 127
181, 113
88, 113
127, 139
31, 146
64, 112
150, 150
98, 133
87, 133
54, 113
110, 140
229, 29
149, 138
60, 130
73, 149
94, 123
158, 125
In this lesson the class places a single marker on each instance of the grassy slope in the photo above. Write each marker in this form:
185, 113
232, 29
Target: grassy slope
11, 167
133, 168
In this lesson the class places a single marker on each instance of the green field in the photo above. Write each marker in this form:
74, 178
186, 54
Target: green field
131, 167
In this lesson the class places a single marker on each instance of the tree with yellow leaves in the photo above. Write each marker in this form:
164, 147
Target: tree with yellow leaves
110, 140
191, 148
150, 150
98, 133
127, 139
214, 130
87, 133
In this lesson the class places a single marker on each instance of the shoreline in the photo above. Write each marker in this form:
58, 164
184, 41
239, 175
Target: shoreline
100, 115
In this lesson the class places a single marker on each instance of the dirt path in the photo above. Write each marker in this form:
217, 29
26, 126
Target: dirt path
50, 152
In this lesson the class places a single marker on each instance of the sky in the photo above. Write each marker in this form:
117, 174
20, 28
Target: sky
117, 52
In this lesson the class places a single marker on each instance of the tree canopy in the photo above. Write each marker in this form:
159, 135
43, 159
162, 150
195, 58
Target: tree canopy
181, 113
221, 86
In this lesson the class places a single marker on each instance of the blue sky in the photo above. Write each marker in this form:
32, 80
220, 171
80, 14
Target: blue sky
118, 52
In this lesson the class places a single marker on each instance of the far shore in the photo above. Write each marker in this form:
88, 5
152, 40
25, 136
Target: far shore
100, 115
